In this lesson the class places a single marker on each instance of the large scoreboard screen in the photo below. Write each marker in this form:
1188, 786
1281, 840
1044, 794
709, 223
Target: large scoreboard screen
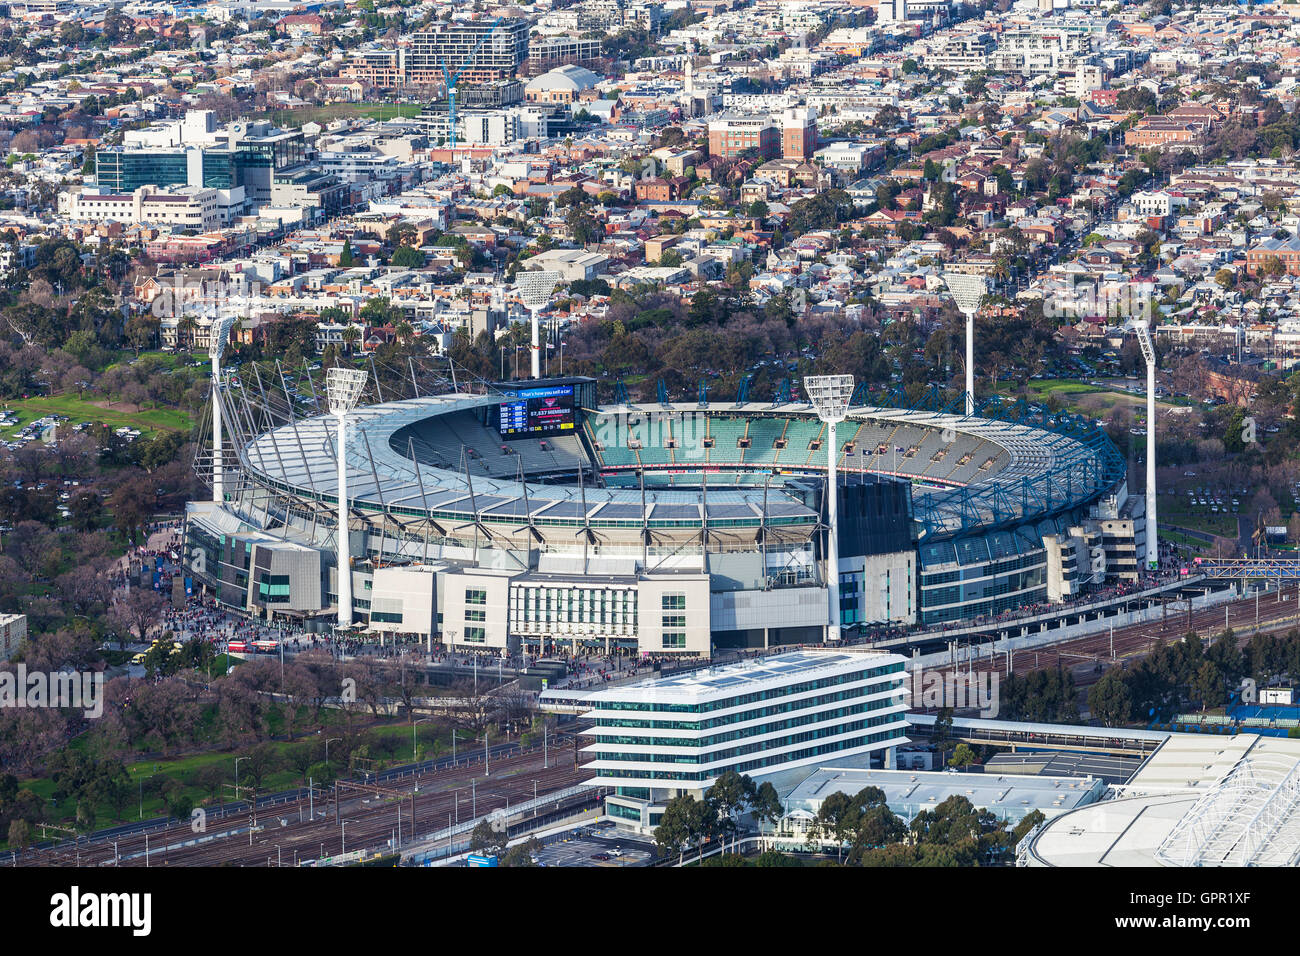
538, 411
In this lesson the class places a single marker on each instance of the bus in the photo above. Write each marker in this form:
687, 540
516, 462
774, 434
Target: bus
237, 647
265, 647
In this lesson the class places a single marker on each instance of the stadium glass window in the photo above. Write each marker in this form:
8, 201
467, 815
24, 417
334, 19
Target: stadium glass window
674, 620
675, 639
674, 602
474, 615
473, 596
475, 635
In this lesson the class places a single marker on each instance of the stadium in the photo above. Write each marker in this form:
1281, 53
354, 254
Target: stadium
526, 515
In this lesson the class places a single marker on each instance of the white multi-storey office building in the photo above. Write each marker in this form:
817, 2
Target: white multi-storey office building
656, 739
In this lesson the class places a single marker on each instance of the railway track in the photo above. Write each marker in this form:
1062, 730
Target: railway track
363, 816
1081, 655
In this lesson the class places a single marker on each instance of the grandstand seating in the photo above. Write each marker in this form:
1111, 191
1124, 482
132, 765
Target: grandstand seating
439, 442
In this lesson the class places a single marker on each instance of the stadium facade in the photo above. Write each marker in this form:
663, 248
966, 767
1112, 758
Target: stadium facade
527, 515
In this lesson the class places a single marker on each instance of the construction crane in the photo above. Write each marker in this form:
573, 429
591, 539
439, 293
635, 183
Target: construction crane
451, 79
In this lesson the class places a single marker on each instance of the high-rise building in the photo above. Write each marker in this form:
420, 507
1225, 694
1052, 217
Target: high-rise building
658, 738
242, 154
799, 133
480, 51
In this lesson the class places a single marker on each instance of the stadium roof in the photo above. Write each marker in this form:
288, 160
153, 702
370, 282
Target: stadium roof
1198, 801
1043, 472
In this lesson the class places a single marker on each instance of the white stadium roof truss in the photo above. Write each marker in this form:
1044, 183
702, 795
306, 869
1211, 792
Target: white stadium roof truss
291, 466
1249, 818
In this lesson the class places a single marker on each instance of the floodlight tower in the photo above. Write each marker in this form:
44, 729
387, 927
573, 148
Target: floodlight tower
218, 337
1142, 329
830, 396
343, 388
968, 292
535, 289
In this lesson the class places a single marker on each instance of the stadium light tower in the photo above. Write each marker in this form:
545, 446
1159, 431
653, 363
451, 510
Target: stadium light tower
830, 396
218, 337
1142, 329
535, 289
968, 292
343, 388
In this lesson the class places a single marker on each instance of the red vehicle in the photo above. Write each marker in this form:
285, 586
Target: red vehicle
237, 647
265, 647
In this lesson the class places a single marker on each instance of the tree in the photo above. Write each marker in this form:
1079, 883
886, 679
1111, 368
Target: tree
401, 232
137, 610
141, 331
20, 834
262, 760
350, 334
877, 827
730, 794
583, 227
1110, 700
685, 822
941, 733
1208, 685
407, 257
962, 757
522, 854
486, 839
766, 804
346, 258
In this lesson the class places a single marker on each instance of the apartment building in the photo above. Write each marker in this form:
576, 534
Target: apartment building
733, 134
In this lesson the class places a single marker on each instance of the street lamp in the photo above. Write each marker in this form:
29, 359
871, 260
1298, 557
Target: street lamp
968, 292
343, 387
830, 396
535, 288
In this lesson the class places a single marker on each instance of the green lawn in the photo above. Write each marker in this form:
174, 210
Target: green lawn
388, 744
1199, 520
170, 359
1081, 397
1062, 386
85, 410
293, 118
